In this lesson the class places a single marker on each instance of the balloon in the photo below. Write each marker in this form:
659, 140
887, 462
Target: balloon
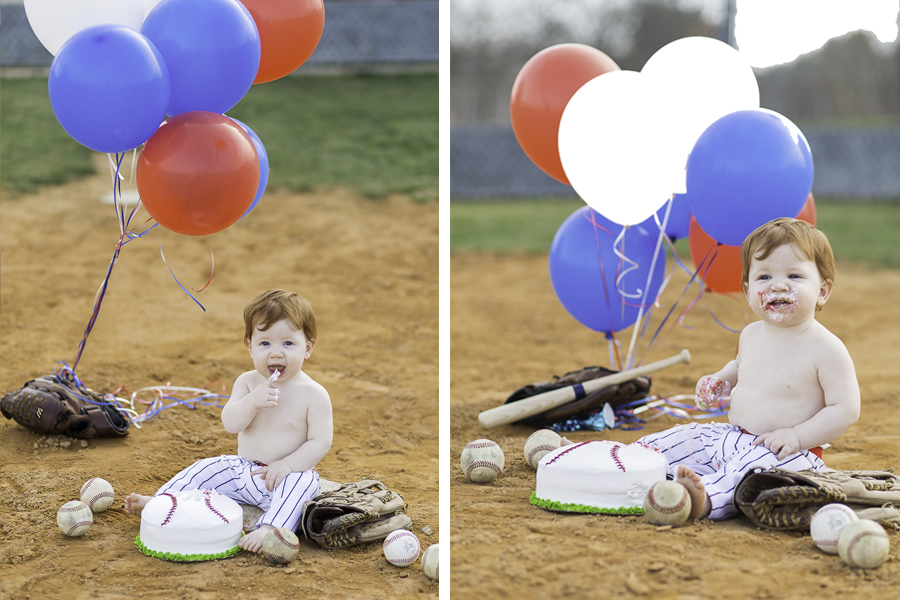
263, 164
679, 217
609, 147
748, 168
697, 81
55, 21
540, 93
719, 264
211, 48
109, 88
584, 268
289, 31
722, 270
198, 174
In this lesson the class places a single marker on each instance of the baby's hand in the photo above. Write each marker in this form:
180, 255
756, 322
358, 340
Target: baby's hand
710, 389
273, 474
782, 442
266, 395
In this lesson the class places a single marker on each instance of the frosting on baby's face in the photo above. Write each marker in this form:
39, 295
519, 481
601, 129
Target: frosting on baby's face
785, 287
778, 304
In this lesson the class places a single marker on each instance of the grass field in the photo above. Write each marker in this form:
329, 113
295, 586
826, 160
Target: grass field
377, 134
864, 232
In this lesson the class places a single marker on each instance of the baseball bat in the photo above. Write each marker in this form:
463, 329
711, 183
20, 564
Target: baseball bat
514, 411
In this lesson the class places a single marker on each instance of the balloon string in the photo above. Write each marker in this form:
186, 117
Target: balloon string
637, 324
124, 223
175, 278
620, 239
212, 268
590, 216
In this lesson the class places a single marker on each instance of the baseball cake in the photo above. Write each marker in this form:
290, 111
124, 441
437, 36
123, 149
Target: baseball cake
191, 525
597, 477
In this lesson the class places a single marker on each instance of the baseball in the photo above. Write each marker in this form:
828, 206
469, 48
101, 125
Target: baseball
431, 561
401, 548
98, 494
280, 545
538, 444
863, 543
74, 518
482, 461
827, 524
667, 503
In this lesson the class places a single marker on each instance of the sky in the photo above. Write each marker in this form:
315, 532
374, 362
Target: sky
767, 32
771, 32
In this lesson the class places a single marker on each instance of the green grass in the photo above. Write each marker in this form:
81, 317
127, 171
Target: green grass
376, 134
864, 232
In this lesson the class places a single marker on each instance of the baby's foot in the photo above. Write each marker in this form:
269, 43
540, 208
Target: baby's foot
252, 542
135, 503
700, 505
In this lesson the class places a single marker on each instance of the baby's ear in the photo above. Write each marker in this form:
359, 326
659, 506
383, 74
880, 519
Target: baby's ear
824, 292
247, 344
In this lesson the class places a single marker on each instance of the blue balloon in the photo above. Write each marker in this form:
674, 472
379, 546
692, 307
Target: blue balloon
747, 168
584, 269
263, 164
679, 217
109, 88
212, 50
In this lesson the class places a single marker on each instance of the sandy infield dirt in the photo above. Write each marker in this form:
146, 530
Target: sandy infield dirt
508, 330
370, 270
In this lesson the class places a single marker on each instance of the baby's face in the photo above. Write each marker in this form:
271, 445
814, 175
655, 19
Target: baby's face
279, 348
785, 287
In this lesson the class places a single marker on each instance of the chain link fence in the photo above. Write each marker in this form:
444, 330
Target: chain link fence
356, 33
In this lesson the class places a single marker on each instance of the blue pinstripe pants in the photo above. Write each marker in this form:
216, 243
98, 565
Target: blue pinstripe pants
230, 476
721, 454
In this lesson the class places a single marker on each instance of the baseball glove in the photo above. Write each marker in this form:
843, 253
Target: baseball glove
57, 406
355, 513
581, 408
787, 500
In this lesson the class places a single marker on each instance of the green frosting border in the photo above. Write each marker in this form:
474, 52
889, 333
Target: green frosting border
581, 508
174, 556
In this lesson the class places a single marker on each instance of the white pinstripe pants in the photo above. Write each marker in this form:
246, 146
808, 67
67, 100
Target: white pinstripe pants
230, 476
721, 454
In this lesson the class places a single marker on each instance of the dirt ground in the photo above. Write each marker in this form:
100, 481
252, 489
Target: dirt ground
508, 329
370, 270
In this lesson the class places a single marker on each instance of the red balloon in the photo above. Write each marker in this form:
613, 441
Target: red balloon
720, 264
289, 31
198, 173
540, 93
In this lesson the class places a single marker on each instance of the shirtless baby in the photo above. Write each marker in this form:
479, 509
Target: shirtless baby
282, 419
793, 385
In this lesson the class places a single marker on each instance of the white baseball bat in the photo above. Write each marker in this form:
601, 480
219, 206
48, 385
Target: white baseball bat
521, 409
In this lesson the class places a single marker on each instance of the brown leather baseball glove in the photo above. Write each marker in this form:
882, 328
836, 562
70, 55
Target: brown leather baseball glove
779, 499
355, 513
57, 406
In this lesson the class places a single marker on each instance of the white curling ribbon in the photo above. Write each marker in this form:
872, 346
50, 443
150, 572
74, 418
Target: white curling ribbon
625, 259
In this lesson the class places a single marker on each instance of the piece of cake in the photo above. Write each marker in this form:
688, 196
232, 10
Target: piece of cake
598, 477
189, 526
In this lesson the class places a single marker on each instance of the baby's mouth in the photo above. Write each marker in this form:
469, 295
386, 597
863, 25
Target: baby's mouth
273, 368
778, 304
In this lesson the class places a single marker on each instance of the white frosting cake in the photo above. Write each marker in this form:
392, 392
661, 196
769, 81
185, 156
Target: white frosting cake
598, 476
190, 525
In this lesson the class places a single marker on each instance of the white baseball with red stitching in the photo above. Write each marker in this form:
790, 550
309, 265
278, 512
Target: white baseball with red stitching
98, 494
401, 548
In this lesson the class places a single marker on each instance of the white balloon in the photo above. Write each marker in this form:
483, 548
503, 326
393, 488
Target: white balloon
55, 21
610, 147
697, 80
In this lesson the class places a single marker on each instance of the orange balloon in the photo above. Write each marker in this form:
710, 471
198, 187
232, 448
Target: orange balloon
198, 173
289, 31
808, 212
720, 264
540, 93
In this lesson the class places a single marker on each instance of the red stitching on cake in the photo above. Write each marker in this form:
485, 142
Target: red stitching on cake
210, 506
566, 451
614, 452
172, 510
